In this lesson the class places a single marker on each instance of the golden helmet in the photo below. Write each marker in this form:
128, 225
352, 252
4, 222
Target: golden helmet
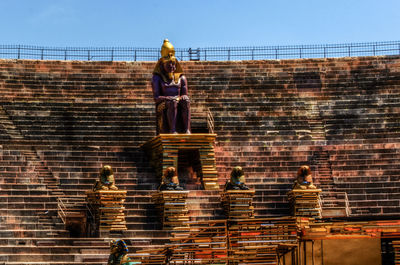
167, 50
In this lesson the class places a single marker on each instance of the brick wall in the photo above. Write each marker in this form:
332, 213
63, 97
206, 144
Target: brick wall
341, 116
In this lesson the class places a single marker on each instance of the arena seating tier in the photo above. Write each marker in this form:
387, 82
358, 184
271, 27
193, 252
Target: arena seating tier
60, 121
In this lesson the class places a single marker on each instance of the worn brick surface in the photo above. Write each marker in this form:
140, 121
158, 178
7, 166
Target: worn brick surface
60, 121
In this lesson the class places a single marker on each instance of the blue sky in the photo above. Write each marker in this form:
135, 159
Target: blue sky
205, 23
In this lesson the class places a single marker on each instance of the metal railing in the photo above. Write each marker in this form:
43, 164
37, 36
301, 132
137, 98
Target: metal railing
210, 121
336, 201
201, 54
67, 206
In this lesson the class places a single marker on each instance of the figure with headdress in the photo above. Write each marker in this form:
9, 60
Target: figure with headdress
170, 93
304, 179
170, 180
106, 179
237, 180
118, 253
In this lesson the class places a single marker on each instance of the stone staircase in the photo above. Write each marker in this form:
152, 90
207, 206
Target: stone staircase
61, 121
10, 130
321, 163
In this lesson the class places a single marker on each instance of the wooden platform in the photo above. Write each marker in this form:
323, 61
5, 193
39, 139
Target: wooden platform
305, 203
173, 208
163, 153
250, 241
108, 209
360, 229
238, 204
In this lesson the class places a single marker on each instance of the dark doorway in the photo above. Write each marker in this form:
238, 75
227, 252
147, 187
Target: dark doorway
189, 169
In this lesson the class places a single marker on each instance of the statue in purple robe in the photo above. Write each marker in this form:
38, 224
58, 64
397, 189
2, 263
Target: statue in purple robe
170, 93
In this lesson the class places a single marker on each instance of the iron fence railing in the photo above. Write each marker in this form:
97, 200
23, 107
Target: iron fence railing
201, 54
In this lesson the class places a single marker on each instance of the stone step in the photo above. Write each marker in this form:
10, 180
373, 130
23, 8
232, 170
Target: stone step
51, 257
84, 249
33, 233
270, 132
90, 261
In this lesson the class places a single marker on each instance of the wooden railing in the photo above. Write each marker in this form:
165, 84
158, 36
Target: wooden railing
203, 243
262, 240
228, 242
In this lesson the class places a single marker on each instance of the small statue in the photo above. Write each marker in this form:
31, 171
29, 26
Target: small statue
106, 180
170, 180
237, 181
304, 179
170, 93
118, 253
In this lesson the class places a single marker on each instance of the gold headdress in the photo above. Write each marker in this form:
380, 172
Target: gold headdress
167, 49
167, 54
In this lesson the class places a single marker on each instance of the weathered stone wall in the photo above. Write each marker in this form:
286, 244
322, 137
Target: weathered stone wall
60, 121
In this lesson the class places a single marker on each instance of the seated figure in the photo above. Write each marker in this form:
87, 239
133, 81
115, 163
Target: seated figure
106, 180
170, 180
237, 181
170, 93
118, 253
304, 179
